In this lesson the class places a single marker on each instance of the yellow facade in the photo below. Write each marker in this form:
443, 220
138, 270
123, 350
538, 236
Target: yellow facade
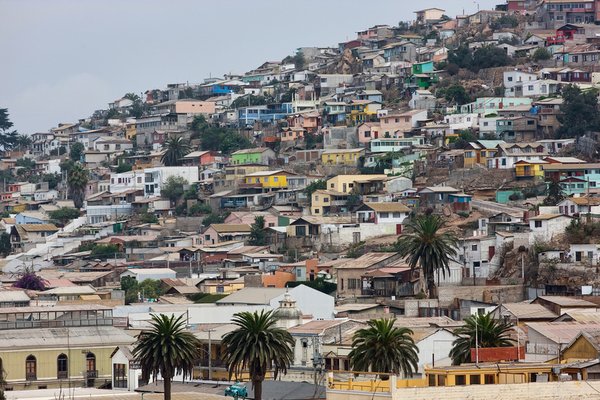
222, 287
319, 200
346, 183
130, 131
529, 170
341, 157
276, 181
46, 361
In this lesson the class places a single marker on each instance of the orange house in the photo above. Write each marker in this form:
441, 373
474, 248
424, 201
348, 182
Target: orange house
277, 279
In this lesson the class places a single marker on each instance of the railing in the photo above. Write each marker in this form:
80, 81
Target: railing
62, 375
93, 373
31, 376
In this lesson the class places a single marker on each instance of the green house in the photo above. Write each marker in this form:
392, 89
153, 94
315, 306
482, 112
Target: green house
260, 155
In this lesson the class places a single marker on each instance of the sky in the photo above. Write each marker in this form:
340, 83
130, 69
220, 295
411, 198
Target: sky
63, 59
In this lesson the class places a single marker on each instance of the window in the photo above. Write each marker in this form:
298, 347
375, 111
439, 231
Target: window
510, 78
326, 200
384, 215
353, 283
62, 366
90, 362
474, 247
538, 224
397, 215
30, 368
120, 376
461, 380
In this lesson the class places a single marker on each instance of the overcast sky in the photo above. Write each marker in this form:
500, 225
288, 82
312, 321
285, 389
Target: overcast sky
63, 59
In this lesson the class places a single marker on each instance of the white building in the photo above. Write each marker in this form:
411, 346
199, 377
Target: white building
154, 178
127, 181
516, 78
435, 348
545, 227
459, 122
126, 373
141, 274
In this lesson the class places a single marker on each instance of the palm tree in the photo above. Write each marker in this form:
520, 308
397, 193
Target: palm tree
383, 347
166, 349
176, 148
257, 346
428, 249
489, 333
77, 181
22, 142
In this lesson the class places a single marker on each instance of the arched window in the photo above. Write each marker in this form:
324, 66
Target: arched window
90, 362
62, 366
30, 368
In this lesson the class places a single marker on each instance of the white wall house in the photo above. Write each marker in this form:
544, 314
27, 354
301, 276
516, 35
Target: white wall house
515, 78
435, 348
126, 373
141, 274
127, 181
458, 122
545, 227
154, 178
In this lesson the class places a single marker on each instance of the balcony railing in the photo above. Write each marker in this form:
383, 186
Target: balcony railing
31, 376
93, 373
63, 375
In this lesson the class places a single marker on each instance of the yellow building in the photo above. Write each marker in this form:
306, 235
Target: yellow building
221, 286
130, 130
324, 202
342, 156
351, 183
480, 152
529, 169
268, 179
363, 111
54, 345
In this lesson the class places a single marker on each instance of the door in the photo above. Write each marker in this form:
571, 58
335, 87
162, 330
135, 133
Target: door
398, 229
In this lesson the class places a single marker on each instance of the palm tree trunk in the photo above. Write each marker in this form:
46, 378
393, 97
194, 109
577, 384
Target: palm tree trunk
431, 288
167, 387
257, 389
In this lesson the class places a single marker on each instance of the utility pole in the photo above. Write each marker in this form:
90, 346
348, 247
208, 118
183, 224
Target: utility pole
476, 342
209, 356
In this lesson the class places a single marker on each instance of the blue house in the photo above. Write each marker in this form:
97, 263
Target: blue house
265, 113
31, 217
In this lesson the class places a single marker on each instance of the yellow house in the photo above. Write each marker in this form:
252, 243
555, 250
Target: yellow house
324, 202
51, 347
239, 172
489, 374
480, 152
349, 183
130, 130
268, 179
221, 286
342, 156
529, 169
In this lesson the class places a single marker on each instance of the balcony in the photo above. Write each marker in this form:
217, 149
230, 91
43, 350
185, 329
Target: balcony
62, 375
93, 373
31, 376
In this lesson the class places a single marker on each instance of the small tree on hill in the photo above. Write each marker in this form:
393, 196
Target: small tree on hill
258, 235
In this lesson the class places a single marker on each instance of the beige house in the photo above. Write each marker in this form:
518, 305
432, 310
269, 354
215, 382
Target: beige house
350, 273
324, 202
187, 106
429, 15
349, 183
217, 233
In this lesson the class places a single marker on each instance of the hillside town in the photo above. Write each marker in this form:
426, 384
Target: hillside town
436, 183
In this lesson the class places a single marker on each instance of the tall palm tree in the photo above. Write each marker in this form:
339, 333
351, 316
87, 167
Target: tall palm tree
489, 333
428, 249
257, 346
22, 142
166, 349
176, 148
77, 181
383, 347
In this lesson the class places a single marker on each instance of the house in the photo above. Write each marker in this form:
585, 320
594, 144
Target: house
156, 178
359, 184
560, 304
350, 273
422, 100
24, 237
126, 372
268, 179
400, 51
491, 105
515, 79
395, 123
217, 233
574, 178
342, 156
326, 202
141, 274
548, 111
559, 12
509, 153
480, 152
262, 155
199, 158
585, 346
545, 227
576, 206
436, 195
530, 169
462, 121
522, 313
391, 145
383, 213
368, 131
429, 16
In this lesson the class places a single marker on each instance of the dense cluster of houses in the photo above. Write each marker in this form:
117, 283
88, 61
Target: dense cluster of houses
345, 146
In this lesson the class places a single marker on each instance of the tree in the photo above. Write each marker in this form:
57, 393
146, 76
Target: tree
250, 100
176, 149
382, 347
22, 142
541, 54
76, 152
166, 349
489, 333
555, 193
8, 138
258, 236
29, 280
123, 167
77, 181
483, 57
64, 215
428, 249
257, 345
105, 251
456, 94
579, 112
199, 123
173, 188
5, 245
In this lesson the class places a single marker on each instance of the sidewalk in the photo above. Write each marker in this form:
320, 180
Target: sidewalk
100, 394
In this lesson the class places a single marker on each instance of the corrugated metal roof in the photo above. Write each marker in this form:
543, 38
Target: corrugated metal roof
252, 296
365, 261
562, 332
93, 336
528, 311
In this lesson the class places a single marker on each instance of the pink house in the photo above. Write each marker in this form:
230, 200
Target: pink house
201, 158
291, 134
395, 123
368, 131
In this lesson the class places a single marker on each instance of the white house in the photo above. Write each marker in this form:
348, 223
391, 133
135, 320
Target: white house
514, 78
458, 122
540, 87
587, 253
127, 181
545, 227
126, 372
155, 178
487, 125
111, 144
383, 213
476, 254
434, 348
141, 274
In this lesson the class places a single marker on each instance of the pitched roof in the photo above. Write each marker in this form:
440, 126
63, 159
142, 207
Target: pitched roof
252, 296
386, 207
528, 311
565, 301
365, 261
38, 227
251, 151
231, 228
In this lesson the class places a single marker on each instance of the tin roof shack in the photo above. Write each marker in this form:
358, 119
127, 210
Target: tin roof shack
559, 304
